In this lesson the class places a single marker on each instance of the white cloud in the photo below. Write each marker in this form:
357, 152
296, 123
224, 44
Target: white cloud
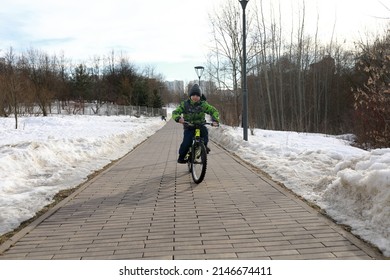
154, 32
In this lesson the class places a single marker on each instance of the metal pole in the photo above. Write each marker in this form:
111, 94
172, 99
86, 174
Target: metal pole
244, 81
199, 71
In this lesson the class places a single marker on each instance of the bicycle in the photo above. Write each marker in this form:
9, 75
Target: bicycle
197, 154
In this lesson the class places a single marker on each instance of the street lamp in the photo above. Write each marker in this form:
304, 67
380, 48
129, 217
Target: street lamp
199, 71
243, 74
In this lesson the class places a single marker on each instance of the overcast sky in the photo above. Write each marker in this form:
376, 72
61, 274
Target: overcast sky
170, 35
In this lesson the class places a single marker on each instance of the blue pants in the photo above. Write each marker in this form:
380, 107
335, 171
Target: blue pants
187, 139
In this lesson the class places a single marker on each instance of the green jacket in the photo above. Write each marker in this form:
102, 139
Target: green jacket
194, 112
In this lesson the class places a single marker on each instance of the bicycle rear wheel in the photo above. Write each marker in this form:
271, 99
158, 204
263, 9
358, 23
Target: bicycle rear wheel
198, 162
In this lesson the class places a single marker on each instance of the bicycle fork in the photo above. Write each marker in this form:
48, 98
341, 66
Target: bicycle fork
197, 151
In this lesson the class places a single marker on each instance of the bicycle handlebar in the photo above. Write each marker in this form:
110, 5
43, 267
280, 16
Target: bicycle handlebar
205, 123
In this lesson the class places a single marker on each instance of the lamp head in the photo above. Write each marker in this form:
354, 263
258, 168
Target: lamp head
243, 3
199, 70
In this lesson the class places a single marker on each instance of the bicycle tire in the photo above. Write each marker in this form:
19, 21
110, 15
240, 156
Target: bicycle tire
198, 162
189, 161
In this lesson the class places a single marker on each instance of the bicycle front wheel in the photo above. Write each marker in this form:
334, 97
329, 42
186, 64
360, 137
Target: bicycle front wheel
198, 162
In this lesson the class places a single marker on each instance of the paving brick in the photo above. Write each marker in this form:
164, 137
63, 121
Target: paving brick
319, 256
219, 256
145, 206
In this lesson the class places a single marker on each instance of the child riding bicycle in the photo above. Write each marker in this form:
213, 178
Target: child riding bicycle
193, 110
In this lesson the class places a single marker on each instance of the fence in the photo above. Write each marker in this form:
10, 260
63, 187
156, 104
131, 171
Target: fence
106, 109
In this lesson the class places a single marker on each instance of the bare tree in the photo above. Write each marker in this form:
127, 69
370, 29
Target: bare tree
224, 63
11, 84
372, 99
41, 70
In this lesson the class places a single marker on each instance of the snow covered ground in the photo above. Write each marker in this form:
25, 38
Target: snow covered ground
48, 154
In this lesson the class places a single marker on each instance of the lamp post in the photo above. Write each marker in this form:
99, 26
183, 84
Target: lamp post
243, 75
199, 71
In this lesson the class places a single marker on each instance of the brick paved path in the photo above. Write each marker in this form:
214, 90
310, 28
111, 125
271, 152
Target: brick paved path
146, 207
